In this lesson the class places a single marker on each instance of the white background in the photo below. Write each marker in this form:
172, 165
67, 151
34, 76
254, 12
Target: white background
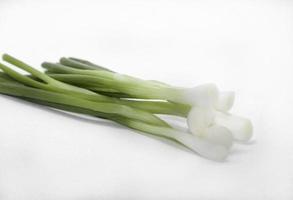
246, 46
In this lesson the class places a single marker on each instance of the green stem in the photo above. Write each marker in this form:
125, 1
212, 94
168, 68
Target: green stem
53, 97
57, 86
81, 64
157, 107
134, 87
125, 84
48, 82
192, 142
165, 133
26, 67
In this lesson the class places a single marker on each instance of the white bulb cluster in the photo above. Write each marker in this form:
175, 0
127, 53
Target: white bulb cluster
209, 118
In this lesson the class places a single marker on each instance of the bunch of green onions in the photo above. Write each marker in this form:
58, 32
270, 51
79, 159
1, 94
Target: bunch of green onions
79, 86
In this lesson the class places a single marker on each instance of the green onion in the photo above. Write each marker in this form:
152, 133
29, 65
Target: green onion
80, 86
205, 96
107, 111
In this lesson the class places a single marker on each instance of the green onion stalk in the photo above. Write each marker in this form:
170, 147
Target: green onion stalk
205, 148
41, 80
204, 106
40, 88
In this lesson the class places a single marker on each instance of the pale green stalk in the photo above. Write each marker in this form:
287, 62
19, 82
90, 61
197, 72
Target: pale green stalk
19, 90
50, 84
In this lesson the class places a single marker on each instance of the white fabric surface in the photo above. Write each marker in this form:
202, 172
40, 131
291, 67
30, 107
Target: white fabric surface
246, 46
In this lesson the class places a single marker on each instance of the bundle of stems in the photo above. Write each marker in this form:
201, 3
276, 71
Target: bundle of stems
80, 86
